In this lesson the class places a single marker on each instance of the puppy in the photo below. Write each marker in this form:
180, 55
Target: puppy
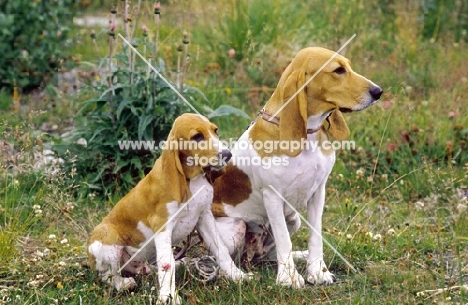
162, 209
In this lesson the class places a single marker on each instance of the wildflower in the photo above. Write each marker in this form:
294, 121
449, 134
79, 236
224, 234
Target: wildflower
166, 266
157, 8
369, 234
377, 237
64, 241
36, 207
391, 231
392, 147
349, 236
451, 114
111, 31
347, 200
360, 172
232, 53
384, 177
52, 236
370, 179
228, 90
59, 285
387, 104
63, 264
145, 30
93, 34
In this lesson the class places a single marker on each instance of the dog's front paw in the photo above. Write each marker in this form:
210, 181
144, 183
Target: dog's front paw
318, 273
124, 283
288, 276
235, 274
164, 299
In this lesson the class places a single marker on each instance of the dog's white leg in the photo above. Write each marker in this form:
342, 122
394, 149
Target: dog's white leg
232, 232
108, 259
166, 268
207, 227
317, 271
287, 273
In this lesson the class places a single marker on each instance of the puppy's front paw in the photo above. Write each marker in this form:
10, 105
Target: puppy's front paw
164, 299
318, 273
235, 274
124, 283
288, 276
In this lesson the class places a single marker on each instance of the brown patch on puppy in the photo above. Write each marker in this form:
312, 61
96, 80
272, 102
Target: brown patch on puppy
231, 188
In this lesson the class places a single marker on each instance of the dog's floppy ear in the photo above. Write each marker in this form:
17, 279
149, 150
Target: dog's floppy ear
293, 116
173, 172
338, 128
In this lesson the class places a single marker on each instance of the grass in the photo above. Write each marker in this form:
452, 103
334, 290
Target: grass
396, 205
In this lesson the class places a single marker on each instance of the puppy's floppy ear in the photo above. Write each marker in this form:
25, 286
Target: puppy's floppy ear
172, 170
338, 128
293, 116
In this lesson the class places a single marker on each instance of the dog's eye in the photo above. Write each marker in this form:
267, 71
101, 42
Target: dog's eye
198, 137
340, 70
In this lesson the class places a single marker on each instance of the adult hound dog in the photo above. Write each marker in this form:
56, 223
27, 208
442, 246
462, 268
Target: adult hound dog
282, 161
166, 206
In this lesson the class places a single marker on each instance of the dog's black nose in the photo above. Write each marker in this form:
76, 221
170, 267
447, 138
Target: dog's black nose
225, 155
376, 92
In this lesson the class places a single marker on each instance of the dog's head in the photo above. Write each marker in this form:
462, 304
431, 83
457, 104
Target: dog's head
333, 89
196, 146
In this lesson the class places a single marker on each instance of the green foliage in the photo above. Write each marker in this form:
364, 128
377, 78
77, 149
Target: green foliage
142, 111
138, 106
31, 40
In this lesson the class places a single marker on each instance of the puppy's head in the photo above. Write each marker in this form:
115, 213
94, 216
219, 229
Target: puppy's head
197, 146
333, 89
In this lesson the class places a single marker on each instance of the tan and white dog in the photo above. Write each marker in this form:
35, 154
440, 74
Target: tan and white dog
156, 208
262, 195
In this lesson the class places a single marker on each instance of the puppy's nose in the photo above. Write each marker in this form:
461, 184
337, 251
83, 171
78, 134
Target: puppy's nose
376, 92
225, 155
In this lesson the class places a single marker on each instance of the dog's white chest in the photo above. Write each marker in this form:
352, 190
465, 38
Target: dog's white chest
189, 214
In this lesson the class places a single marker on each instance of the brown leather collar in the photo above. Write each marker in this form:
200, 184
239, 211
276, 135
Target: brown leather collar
268, 117
272, 119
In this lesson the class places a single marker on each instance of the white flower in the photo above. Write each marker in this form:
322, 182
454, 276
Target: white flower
349, 236
391, 232
63, 264
377, 237
419, 205
64, 241
52, 236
